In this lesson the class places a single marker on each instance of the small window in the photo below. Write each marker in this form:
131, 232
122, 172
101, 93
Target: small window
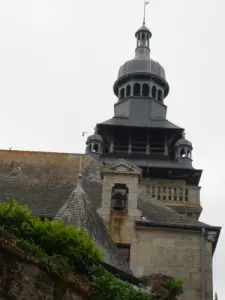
128, 91
124, 252
182, 153
160, 95
96, 148
137, 89
154, 92
122, 92
145, 90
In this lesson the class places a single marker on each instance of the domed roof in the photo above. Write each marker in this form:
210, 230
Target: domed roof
142, 65
95, 137
183, 142
143, 28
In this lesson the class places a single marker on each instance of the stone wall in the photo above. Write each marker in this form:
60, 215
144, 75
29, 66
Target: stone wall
23, 279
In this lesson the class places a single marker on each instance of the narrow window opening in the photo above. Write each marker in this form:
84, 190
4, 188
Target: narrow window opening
128, 91
145, 90
182, 153
154, 92
96, 148
137, 89
160, 95
122, 91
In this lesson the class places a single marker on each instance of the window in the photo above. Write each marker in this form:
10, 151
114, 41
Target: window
124, 252
145, 90
119, 197
137, 89
128, 91
96, 148
160, 95
122, 91
154, 92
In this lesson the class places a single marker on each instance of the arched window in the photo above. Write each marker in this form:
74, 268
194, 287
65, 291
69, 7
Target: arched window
96, 148
182, 153
160, 95
145, 90
154, 92
128, 91
137, 89
122, 92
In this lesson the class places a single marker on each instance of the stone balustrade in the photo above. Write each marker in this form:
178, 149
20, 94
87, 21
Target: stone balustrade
171, 192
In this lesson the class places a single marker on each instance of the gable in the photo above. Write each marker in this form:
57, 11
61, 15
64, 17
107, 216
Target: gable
121, 166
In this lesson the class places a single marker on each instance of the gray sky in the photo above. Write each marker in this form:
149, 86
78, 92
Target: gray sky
60, 58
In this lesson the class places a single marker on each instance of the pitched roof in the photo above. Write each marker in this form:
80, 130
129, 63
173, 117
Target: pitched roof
153, 123
78, 210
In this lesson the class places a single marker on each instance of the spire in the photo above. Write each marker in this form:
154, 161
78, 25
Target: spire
143, 36
145, 4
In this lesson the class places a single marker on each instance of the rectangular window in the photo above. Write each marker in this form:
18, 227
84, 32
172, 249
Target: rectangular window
124, 252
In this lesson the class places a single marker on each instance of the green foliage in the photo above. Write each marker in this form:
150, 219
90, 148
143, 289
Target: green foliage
174, 286
49, 240
61, 248
109, 287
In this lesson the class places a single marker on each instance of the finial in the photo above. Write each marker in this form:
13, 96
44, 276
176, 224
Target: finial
145, 4
183, 134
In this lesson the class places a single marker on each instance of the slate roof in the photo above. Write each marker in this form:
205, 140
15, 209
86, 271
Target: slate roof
53, 197
153, 123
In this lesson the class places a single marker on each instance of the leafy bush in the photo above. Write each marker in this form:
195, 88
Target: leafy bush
174, 287
62, 248
109, 287
49, 238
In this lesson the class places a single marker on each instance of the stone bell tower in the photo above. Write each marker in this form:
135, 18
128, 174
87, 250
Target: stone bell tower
140, 133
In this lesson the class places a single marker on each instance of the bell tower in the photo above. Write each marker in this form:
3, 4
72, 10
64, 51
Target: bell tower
140, 133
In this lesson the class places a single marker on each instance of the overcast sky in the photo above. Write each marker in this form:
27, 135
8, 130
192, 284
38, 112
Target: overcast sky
60, 58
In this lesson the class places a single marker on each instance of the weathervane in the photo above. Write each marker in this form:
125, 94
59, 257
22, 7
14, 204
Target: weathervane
145, 4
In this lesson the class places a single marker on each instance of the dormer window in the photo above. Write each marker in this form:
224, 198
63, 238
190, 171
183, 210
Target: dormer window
119, 197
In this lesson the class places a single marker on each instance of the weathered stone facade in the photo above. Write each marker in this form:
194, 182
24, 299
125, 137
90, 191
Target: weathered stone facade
177, 253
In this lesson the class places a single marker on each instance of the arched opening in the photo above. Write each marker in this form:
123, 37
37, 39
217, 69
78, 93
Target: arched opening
145, 90
160, 95
154, 91
128, 91
182, 153
137, 89
119, 197
122, 92
96, 148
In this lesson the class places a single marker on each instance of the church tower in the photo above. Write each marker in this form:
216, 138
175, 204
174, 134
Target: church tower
140, 133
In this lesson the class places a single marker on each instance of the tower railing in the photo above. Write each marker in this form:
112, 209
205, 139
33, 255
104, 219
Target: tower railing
171, 192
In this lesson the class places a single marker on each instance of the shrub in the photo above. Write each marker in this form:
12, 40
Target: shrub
49, 237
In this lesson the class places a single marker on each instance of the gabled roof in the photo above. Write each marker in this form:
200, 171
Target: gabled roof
121, 166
